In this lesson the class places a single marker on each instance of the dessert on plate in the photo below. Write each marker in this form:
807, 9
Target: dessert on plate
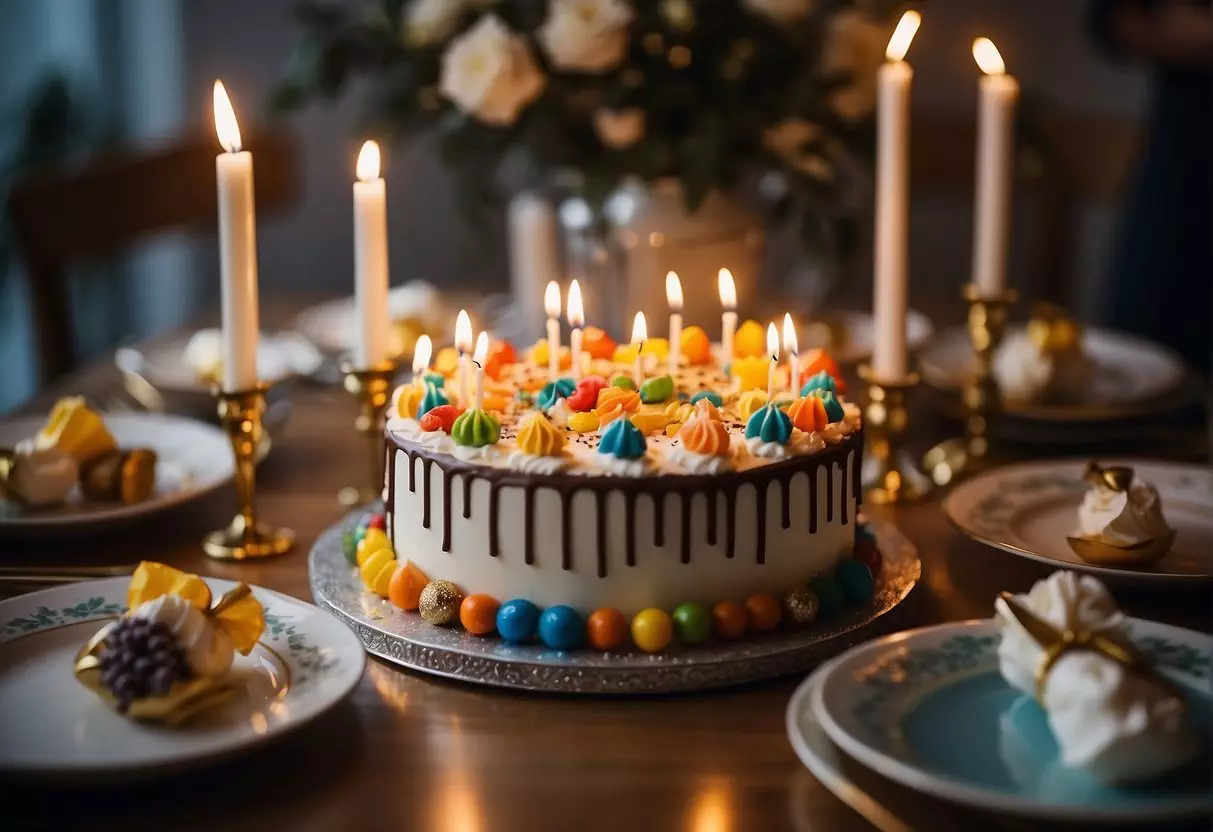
1046, 363
1120, 520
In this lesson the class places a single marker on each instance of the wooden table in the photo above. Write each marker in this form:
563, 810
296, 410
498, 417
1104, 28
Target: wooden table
409, 751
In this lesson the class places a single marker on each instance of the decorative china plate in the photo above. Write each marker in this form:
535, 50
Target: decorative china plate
55, 728
194, 458
1030, 508
929, 709
280, 356
1133, 376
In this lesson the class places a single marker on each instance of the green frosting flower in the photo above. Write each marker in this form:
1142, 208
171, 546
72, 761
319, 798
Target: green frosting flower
657, 389
475, 429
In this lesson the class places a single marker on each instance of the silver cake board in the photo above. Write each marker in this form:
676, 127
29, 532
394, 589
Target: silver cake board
405, 639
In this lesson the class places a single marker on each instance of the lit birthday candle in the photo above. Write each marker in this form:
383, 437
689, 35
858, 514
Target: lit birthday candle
576, 318
773, 350
728, 318
481, 353
422, 352
792, 347
673, 296
640, 332
551, 304
463, 343
370, 259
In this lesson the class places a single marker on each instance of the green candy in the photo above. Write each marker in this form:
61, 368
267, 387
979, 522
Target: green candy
475, 429
830, 598
693, 622
349, 543
624, 382
657, 389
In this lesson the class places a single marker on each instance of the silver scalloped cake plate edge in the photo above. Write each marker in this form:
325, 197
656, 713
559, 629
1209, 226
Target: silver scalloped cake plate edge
54, 728
194, 458
1029, 508
928, 709
407, 640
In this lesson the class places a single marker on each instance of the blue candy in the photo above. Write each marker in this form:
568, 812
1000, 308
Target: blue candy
516, 620
561, 628
710, 395
553, 391
855, 579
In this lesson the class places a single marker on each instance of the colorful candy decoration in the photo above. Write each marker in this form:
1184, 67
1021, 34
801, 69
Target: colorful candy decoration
750, 402
770, 424
475, 429
652, 630
376, 571
695, 345
808, 414
441, 418
867, 552
729, 620
434, 397
657, 389
693, 623
501, 354
855, 580
404, 590
658, 347
597, 343
439, 602
751, 372
561, 628
819, 381
705, 436
538, 355
446, 362
816, 361
553, 391
517, 620
763, 612
710, 395
622, 440
650, 421
478, 614
372, 541
800, 606
584, 422
749, 341
607, 628
829, 596
585, 397
376, 521
408, 401
537, 436
436, 379
833, 407
624, 382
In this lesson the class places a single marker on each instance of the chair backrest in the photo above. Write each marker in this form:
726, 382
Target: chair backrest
61, 217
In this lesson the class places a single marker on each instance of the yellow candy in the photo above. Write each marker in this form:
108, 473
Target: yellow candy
609, 397
539, 355
373, 541
650, 422
584, 422
447, 361
376, 571
751, 373
652, 630
537, 436
408, 400
750, 340
626, 353
695, 345
749, 403
671, 430
659, 347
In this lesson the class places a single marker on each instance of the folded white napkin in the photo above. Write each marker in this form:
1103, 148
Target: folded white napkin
1118, 725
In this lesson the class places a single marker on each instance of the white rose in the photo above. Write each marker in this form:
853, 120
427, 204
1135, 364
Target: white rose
429, 21
586, 35
783, 12
618, 129
489, 73
855, 45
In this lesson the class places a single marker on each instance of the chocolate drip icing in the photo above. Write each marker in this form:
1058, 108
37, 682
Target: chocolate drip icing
528, 520
686, 499
494, 490
762, 486
785, 501
412, 474
426, 462
730, 521
857, 476
446, 510
845, 502
830, 493
629, 524
467, 495
712, 496
659, 519
600, 507
813, 501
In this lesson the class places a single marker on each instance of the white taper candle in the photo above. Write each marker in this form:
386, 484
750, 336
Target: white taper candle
997, 100
370, 259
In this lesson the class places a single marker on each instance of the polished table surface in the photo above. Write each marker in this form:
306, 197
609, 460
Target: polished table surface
411, 751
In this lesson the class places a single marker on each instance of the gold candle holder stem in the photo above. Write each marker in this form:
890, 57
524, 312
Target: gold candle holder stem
240, 413
372, 388
980, 396
890, 474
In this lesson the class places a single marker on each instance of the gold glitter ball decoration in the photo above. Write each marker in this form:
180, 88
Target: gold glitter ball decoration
439, 603
800, 605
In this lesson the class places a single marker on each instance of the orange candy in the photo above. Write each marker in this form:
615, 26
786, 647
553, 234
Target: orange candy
764, 612
500, 354
816, 360
597, 343
695, 345
478, 614
808, 414
728, 620
404, 590
607, 628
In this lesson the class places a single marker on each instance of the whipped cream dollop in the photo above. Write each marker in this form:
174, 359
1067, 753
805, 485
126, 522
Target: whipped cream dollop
808, 443
207, 648
766, 450
1122, 518
1118, 725
470, 453
699, 463
559, 413
531, 464
833, 433
623, 467
1025, 373
42, 477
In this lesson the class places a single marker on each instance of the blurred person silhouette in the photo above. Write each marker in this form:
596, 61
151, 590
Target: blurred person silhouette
1162, 266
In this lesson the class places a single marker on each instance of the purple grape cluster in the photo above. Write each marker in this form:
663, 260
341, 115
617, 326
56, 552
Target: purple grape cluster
141, 658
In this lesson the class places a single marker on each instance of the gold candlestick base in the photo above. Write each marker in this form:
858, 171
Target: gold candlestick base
968, 454
890, 474
240, 412
372, 387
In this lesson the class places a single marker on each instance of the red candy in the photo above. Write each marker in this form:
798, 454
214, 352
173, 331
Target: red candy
440, 418
377, 521
585, 397
866, 553
816, 360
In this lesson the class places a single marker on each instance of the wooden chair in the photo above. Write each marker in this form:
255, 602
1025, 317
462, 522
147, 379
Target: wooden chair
62, 217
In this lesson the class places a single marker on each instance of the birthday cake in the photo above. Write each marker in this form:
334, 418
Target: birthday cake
656, 497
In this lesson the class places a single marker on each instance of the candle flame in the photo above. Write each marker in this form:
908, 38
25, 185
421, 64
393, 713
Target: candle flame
728, 289
482, 348
423, 350
225, 120
463, 331
987, 56
551, 299
773, 341
673, 291
367, 168
790, 344
899, 43
575, 313
640, 330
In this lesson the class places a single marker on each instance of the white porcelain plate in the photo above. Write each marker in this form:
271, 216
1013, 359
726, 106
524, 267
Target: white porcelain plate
928, 708
1029, 509
1133, 376
280, 356
194, 458
55, 728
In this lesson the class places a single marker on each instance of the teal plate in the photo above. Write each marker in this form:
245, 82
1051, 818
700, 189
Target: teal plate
929, 709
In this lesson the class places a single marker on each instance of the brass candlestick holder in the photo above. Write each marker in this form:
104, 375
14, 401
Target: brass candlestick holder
372, 387
890, 473
961, 455
240, 412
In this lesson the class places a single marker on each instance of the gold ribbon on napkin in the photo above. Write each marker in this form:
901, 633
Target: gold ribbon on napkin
1118, 478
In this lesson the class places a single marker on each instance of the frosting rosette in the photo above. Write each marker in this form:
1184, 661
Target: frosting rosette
476, 429
553, 391
750, 402
820, 380
770, 425
710, 395
705, 436
808, 414
833, 407
537, 436
817, 361
622, 440
434, 397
